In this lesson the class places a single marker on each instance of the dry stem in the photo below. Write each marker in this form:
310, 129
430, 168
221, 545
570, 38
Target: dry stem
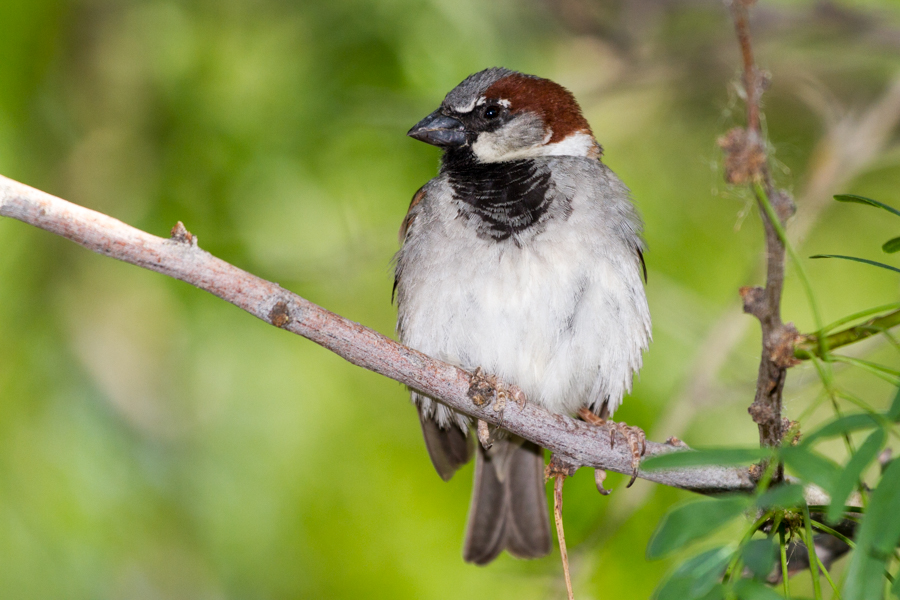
560, 534
746, 162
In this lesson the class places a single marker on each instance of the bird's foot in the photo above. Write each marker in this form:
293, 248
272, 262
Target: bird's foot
599, 474
486, 388
482, 389
634, 436
637, 443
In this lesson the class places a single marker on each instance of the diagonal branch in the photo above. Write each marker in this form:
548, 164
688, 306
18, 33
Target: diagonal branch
181, 258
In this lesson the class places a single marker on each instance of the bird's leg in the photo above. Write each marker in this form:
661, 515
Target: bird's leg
637, 440
588, 417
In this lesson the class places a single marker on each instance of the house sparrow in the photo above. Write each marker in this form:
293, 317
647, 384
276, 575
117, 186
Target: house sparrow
523, 258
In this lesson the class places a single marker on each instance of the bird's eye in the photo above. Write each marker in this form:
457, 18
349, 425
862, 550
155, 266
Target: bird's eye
491, 112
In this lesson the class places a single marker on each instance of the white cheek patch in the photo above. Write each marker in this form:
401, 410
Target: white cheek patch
491, 148
577, 144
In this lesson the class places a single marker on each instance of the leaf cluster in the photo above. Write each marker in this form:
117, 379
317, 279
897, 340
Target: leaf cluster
778, 513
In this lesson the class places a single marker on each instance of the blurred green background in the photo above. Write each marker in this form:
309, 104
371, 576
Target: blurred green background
156, 442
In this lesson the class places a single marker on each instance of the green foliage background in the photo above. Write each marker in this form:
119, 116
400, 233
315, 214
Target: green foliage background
156, 442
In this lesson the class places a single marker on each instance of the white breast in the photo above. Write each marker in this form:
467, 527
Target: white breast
563, 316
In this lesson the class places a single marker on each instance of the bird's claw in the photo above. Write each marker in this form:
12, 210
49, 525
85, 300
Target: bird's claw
599, 478
637, 443
484, 434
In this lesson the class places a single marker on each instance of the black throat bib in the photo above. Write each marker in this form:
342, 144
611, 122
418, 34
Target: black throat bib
505, 198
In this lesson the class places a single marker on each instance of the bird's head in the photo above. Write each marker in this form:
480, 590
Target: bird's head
501, 115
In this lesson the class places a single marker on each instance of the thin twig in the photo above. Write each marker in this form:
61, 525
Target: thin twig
751, 75
560, 534
746, 163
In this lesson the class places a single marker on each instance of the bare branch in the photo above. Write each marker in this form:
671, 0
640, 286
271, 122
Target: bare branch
746, 162
850, 147
181, 258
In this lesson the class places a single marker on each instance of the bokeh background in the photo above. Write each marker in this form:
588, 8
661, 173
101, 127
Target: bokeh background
156, 442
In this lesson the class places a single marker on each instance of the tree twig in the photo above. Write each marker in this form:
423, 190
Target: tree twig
746, 162
558, 470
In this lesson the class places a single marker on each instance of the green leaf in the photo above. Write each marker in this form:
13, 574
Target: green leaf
864, 200
849, 477
893, 412
877, 537
782, 496
698, 577
862, 260
712, 456
840, 426
759, 557
692, 521
891, 246
859, 315
747, 589
886, 373
810, 466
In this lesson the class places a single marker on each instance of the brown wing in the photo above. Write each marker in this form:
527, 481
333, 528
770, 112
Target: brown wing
411, 214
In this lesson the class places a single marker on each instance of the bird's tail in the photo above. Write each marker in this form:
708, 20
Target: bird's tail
509, 505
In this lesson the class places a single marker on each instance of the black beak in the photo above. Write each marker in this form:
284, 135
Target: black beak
439, 130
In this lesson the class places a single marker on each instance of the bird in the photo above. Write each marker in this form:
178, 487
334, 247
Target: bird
522, 259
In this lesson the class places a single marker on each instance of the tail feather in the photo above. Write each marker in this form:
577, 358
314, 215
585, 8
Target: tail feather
509, 508
528, 533
486, 530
